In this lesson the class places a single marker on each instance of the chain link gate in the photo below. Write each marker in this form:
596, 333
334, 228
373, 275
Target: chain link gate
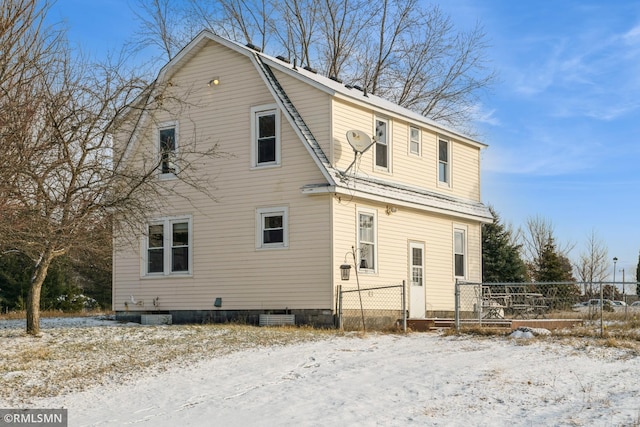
372, 308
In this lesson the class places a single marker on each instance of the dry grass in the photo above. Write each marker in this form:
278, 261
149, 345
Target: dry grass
617, 334
17, 315
65, 359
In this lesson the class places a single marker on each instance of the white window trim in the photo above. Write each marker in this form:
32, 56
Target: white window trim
413, 153
167, 244
161, 126
449, 162
260, 213
389, 144
465, 235
255, 111
376, 261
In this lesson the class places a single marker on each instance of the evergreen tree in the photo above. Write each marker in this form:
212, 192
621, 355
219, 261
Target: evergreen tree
551, 266
501, 260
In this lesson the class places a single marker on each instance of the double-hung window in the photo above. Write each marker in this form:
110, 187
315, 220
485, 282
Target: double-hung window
414, 140
265, 136
272, 228
459, 252
367, 241
168, 247
382, 143
444, 158
168, 149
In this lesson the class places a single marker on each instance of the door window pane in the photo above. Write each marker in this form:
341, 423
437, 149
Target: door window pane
416, 266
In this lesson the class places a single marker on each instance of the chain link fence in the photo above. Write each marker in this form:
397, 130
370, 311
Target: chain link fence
380, 308
498, 303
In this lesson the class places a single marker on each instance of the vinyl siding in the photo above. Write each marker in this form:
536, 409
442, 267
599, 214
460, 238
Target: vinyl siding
420, 171
313, 105
226, 263
394, 232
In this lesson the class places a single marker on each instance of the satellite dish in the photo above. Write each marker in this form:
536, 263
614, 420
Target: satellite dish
358, 140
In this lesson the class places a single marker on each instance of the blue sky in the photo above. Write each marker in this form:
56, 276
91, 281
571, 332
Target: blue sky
562, 124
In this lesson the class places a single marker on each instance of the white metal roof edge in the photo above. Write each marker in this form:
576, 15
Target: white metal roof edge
458, 208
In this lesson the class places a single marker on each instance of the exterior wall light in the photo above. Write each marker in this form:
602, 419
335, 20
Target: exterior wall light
345, 269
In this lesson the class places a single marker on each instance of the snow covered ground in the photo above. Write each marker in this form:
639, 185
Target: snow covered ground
379, 379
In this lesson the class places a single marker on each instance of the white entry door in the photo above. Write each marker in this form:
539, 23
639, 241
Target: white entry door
417, 303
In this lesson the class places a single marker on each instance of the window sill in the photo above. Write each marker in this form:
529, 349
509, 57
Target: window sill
266, 166
167, 276
271, 248
167, 176
383, 170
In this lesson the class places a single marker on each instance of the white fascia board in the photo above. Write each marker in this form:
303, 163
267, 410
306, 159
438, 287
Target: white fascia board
414, 205
330, 189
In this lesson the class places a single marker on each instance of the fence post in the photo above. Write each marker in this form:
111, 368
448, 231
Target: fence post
340, 324
404, 307
601, 312
457, 305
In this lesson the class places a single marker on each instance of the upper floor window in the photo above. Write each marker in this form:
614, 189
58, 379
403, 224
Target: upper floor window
168, 149
367, 240
168, 247
459, 252
382, 143
272, 228
265, 136
414, 140
444, 156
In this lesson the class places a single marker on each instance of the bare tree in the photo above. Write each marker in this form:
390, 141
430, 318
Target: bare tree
593, 262
297, 27
239, 20
160, 27
536, 238
66, 178
404, 51
340, 25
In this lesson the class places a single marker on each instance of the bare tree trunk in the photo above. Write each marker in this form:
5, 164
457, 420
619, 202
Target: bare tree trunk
33, 298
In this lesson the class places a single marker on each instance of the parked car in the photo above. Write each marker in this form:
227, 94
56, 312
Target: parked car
597, 302
636, 304
619, 303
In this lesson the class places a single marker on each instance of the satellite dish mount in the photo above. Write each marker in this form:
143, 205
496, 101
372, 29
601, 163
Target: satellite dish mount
360, 142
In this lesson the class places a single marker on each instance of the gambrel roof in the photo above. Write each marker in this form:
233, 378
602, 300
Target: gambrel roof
336, 181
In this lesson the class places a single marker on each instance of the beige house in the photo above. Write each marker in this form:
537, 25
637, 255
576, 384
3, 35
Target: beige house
292, 196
